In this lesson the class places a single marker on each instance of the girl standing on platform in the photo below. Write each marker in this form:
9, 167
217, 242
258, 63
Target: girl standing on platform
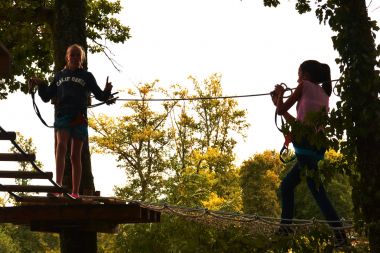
71, 87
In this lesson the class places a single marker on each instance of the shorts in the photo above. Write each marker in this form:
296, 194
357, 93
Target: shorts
75, 124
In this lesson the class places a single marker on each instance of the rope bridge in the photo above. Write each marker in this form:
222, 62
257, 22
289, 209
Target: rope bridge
253, 223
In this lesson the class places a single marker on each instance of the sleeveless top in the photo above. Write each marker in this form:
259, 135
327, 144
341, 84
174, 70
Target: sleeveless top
313, 99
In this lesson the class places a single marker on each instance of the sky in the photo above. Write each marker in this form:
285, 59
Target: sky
253, 48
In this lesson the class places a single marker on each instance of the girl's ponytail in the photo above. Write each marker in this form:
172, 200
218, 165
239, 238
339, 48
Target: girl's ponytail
318, 73
326, 78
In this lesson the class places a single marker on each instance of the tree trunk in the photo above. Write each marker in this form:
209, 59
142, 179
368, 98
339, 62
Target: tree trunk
362, 97
69, 27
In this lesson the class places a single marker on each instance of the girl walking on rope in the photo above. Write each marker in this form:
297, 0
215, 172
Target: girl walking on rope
71, 87
311, 98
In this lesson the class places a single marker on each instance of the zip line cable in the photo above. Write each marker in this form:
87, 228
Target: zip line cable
205, 98
191, 98
113, 99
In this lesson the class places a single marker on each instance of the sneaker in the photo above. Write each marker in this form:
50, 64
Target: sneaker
74, 196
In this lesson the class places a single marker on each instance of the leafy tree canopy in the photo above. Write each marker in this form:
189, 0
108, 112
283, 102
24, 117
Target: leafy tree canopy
27, 27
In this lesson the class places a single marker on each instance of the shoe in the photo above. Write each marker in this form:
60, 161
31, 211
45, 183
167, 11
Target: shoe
74, 196
53, 195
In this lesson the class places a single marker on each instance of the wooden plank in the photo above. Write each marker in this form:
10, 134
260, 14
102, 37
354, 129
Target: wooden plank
10, 136
102, 199
25, 174
31, 188
17, 157
100, 226
27, 200
43, 200
77, 213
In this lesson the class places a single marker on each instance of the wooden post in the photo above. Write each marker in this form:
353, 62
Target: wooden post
75, 240
5, 62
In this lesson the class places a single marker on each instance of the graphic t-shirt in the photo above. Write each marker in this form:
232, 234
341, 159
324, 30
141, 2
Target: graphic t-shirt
72, 89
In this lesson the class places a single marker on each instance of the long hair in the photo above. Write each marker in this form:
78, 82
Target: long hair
318, 73
82, 54
326, 78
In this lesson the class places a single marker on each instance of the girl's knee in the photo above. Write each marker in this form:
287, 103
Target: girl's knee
61, 147
75, 156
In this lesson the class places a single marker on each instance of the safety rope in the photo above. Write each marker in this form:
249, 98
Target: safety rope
37, 111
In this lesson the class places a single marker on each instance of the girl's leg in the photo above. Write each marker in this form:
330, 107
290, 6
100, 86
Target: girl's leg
320, 195
288, 184
60, 153
76, 163
325, 205
327, 209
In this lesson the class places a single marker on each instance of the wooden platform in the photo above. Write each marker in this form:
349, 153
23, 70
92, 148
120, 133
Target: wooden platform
59, 214
78, 214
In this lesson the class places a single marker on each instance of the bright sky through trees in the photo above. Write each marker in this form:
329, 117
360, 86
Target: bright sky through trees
251, 46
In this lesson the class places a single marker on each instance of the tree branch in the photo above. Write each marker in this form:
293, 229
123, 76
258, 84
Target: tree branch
113, 62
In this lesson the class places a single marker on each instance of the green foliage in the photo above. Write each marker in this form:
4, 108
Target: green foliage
357, 115
183, 153
271, 3
140, 143
21, 239
360, 83
7, 244
303, 6
204, 133
29, 44
175, 234
101, 23
193, 145
260, 180
27, 31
